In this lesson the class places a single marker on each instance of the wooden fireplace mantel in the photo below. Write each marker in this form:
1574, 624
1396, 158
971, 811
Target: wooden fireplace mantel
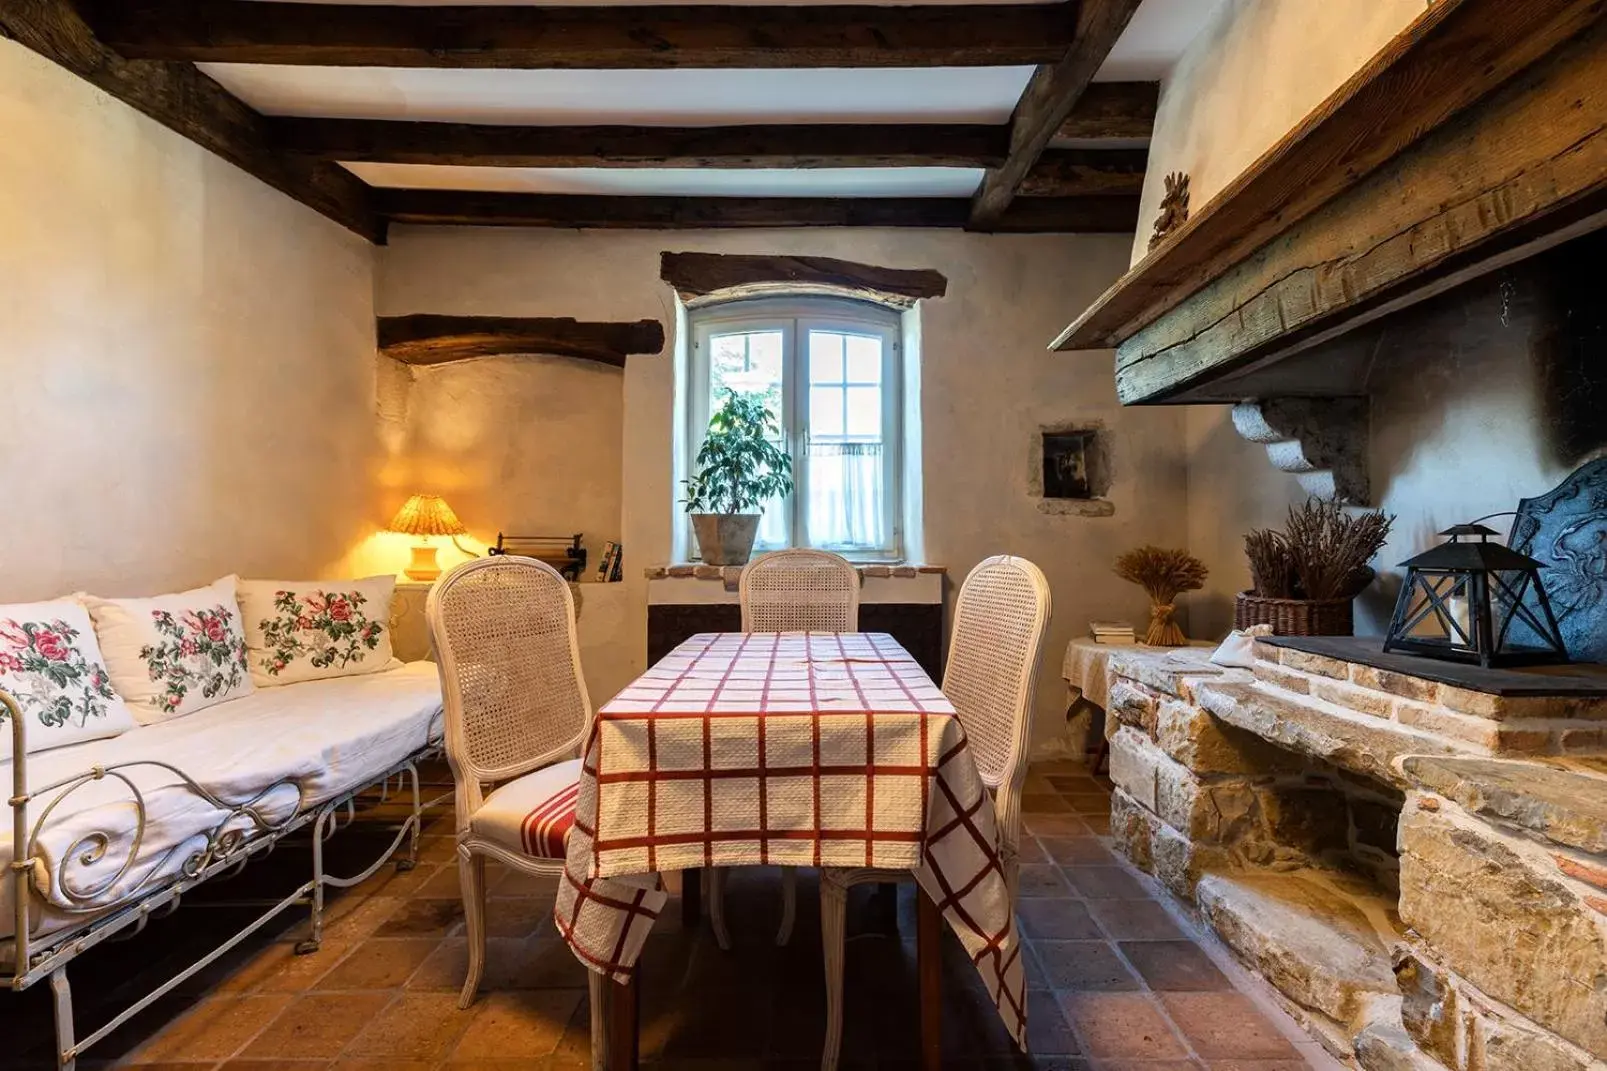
1476, 135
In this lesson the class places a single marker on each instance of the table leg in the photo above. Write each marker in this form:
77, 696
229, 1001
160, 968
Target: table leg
624, 1021
929, 965
691, 898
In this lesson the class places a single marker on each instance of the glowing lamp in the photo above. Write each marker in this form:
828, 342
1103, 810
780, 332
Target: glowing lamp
425, 516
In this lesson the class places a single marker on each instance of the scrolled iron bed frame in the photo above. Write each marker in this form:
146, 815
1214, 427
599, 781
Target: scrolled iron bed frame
246, 831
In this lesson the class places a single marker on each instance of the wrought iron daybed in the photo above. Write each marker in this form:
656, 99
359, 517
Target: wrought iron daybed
250, 827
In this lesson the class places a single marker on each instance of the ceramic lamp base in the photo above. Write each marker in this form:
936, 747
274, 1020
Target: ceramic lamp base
423, 566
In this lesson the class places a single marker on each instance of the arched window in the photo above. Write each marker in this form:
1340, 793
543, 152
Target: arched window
831, 370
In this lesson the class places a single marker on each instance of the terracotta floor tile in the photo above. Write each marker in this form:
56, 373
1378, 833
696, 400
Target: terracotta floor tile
519, 916
1057, 920
1030, 851
380, 963
442, 885
1048, 1033
1042, 880
1082, 851
317, 1025
1085, 965
1225, 1026
1071, 782
517, 1025
1145, 1065
1046, 803
276, 968
1056, 825
1135, 920
1121, 1025
215, 1029
416, 1026
1259, 1065
1106, 883
362, 918
269, 1065
1175, 966
422, 918
1088, 803
518, 883
1098, 824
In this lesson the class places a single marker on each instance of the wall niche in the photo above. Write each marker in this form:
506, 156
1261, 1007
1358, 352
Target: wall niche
1072, 470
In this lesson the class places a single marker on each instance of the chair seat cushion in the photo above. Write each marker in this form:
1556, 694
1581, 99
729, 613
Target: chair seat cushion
533, 814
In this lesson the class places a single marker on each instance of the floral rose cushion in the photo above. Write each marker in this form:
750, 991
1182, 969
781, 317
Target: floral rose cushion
311, 629
52, 666
174, 654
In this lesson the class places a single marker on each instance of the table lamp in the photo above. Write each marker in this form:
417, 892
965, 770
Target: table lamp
426, 516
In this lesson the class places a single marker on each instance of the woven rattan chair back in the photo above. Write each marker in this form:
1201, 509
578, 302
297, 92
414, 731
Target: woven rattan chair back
992, 673
503, 631
800, 591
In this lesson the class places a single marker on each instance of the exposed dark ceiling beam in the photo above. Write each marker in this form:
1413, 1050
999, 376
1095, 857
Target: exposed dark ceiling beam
182, 98
1067, 172
471, 208
1049, 99
780, 146
357, 35
1123, 110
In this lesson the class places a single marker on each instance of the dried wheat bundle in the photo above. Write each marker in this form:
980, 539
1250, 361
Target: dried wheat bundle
1329, 549
1164, 574
1272, 567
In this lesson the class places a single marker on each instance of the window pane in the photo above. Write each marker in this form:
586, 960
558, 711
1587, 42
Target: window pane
864, 359
864, 412
826, 412
749, 363
825, 357
846, 493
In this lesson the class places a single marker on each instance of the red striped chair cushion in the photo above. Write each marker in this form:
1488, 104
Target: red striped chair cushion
534, 814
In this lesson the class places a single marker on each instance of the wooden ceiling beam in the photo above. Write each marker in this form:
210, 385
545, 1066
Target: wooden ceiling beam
428, 339
1086, 172
357, 35
1118, 214
183, 99
1048, 101
779, 146
698, 276
1124, 110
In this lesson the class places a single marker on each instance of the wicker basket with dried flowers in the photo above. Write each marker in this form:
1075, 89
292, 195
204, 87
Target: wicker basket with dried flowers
1306, 576
1164, 574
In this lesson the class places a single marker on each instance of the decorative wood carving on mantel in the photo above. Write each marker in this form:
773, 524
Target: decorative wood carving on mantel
427, 339
1476, 134
1174, 208
704, 277
1321, 441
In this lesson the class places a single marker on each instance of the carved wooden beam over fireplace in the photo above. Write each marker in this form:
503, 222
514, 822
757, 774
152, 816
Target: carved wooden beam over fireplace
1476, 138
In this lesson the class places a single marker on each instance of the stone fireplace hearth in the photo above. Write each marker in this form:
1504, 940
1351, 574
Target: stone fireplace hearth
1418, 867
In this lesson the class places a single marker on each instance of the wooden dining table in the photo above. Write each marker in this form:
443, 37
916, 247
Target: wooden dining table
797, 749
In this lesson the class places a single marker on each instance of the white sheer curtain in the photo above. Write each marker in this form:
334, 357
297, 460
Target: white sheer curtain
845, 494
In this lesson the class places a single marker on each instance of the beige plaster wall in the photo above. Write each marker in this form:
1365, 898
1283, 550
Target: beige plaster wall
988, 384
187, 357
1257, 70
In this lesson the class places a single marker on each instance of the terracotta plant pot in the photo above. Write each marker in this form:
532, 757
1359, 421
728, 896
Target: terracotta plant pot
725, 538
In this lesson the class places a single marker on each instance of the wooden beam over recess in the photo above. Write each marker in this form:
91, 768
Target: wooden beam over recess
427, 339
1048, 101
358, 35
183, 99
1124, 110
698, 275
1082, 172
1519, 172
1454, 54
474, 208
781, 146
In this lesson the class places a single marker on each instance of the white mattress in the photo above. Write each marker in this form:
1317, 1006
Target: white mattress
307, 743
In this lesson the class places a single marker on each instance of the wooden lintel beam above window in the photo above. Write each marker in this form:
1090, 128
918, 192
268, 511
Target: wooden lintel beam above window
729, 275
183, 99
1048, 101
778, 146
474, 208
1124, 110
358, 35
1086, 172
428, 339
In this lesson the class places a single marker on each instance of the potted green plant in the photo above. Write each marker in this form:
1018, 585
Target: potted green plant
738, 469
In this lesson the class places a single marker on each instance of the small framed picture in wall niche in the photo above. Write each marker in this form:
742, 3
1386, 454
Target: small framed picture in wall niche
1071, 471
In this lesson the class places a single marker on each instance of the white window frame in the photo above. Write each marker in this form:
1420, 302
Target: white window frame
796, 317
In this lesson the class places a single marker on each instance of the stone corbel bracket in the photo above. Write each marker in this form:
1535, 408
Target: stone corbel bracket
1322, 441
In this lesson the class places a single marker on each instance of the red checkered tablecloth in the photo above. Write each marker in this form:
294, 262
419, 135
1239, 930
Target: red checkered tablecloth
817, 749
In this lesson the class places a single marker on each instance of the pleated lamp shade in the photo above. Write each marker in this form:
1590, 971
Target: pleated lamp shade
426, 515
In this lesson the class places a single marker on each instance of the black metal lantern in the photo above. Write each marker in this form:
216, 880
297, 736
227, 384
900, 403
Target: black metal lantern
1480, 602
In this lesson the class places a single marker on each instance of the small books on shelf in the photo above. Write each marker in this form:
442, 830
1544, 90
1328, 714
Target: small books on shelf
610, 566
1111, 632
